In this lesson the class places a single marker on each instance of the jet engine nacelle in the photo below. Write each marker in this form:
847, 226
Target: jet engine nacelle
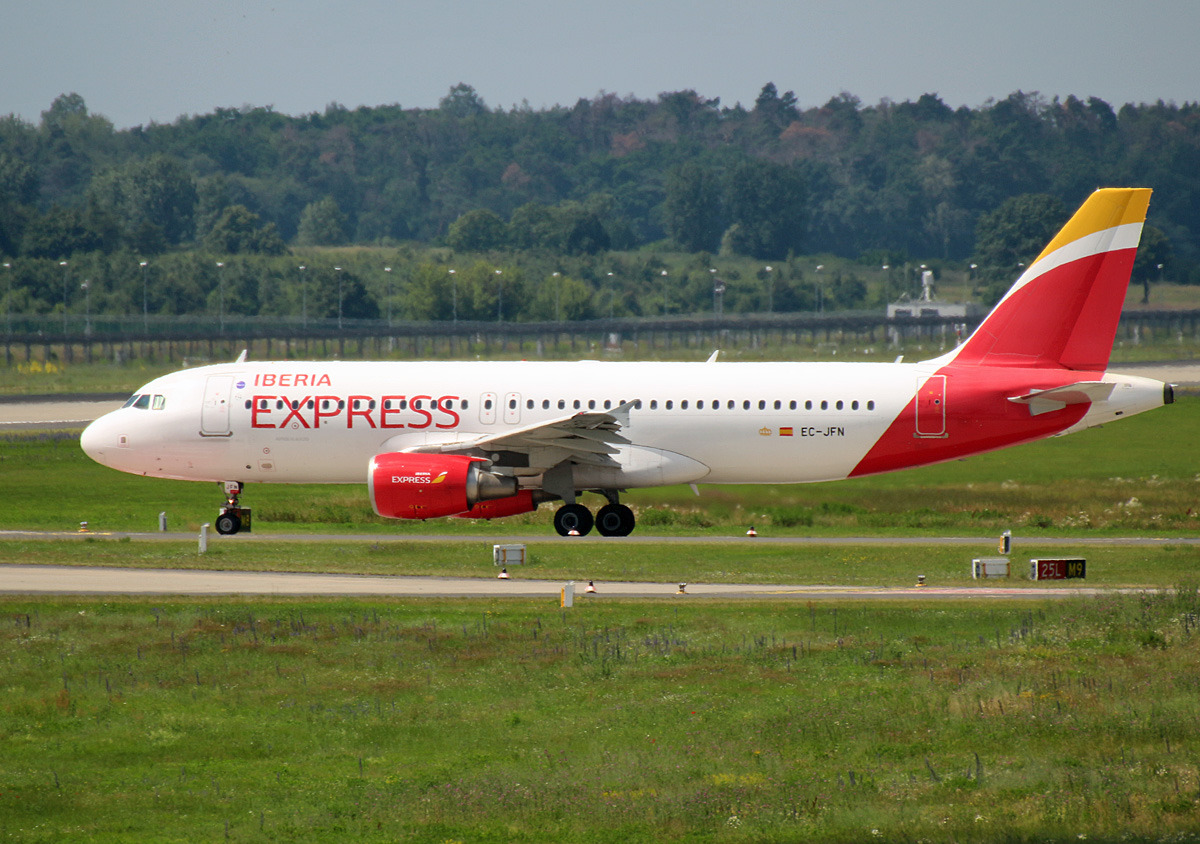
428, 486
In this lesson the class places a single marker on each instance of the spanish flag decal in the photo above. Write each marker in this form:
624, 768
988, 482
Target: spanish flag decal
785, 432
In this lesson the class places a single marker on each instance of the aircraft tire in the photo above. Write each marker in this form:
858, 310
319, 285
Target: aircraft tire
615, 520
574, 517
228, 524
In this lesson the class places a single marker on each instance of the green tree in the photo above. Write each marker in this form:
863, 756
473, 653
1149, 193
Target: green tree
692, 208
153, 198
462, 101
322, 224
239, 230
767, 208
480, 230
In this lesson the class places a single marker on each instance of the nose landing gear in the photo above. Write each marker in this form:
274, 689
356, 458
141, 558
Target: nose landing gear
233, 518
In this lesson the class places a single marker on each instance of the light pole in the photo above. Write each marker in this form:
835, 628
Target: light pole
770, 291
388, 270
63, 264
454, 288
610, 296
221, 291
303, 297
86, 287
557, 286
8, 297
145, 301
718, 296
338, 271
500, 297
820, 297
666, 294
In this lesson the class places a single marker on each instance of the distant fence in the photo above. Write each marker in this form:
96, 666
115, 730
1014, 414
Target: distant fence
175, 339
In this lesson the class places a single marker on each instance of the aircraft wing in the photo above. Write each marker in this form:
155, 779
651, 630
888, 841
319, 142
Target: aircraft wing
1081, 392
588, 437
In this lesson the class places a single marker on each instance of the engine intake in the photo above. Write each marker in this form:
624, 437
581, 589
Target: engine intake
429, 486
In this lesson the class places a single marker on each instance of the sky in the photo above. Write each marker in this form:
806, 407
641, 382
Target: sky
151, 61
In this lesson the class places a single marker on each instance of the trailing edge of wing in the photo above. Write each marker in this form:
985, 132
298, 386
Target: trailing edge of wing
1081, 392
585, 437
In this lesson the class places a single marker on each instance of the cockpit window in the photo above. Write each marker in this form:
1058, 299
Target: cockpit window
159, 402
132, 399
143, 401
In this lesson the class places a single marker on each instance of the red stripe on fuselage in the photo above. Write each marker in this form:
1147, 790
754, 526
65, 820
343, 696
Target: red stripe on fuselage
979, 418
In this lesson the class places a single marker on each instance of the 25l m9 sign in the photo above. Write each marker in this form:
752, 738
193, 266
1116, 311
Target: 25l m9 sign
1058, 568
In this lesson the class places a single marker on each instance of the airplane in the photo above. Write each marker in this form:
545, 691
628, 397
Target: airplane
494, 439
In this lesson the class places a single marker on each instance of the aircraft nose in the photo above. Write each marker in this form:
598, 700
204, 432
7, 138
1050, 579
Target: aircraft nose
98, 440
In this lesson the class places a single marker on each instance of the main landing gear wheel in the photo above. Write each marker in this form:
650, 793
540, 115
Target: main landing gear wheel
228, 523
614, 520
572, 517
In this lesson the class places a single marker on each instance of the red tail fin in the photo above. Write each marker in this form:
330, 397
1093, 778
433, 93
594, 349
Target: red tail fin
1063, 311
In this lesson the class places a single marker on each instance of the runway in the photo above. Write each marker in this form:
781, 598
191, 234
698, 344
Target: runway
87, 580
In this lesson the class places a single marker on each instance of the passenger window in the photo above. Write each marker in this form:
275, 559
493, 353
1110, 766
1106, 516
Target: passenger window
778, 404
792, 404
854, 405
839, 404
341, 404
700, 405
607, 404
562, 404
824, 405
357, 403
808, 405
577, 405
248, 404
731, 405
745, 405
670, 404
487, 404
683, 405
591, 404
403, 405
545, 404
279, 405
870, 405
512, 404
463, 405
762, 405
310, 404
529, 404
654, 404
448, 404
263, 404
325, 404
371, 404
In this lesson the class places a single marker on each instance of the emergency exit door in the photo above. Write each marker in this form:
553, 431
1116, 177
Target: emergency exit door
931, 407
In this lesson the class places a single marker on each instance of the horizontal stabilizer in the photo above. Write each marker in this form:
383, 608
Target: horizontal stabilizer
1081, 392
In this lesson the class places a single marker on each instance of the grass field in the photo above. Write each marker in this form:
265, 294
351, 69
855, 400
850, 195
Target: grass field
447, 721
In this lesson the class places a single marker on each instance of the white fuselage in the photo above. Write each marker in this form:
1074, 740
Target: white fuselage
296, 422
